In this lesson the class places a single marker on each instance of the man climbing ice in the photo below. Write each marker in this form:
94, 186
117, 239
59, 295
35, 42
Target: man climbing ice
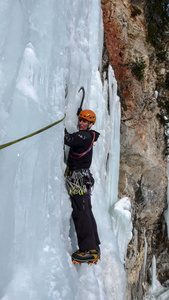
79, 182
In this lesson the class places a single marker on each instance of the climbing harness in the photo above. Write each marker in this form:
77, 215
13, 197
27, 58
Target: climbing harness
32, 134
79, 155
78, 181
75, 184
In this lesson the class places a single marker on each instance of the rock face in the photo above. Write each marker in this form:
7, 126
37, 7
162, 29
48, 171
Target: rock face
143, 165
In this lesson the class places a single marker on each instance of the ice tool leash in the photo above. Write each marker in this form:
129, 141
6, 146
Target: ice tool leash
31, 134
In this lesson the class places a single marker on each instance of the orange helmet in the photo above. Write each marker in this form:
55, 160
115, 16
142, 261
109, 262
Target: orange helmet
88, 115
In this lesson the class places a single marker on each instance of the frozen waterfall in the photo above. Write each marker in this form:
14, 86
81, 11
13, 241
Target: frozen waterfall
46, 47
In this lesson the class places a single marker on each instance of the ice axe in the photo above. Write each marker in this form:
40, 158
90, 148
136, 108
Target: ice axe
80, 108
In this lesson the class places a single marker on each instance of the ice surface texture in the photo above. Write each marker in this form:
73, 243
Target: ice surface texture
46, 46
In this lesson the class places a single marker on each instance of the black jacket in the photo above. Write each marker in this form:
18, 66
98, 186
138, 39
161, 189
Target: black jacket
80, 142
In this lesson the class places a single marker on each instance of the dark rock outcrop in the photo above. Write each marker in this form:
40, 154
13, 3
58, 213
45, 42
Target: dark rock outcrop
143, 164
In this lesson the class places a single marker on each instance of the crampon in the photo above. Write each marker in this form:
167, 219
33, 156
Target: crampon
91, 262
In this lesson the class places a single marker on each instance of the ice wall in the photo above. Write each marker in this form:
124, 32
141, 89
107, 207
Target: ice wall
45, 47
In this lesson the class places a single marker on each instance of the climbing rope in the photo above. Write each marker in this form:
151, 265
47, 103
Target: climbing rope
79, 155
32, 134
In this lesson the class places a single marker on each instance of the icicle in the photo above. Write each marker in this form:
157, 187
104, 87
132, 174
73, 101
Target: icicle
145, 253
156, 94
114, 147
153, 273
156, 289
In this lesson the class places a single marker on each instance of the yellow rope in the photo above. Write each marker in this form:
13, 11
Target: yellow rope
32, 134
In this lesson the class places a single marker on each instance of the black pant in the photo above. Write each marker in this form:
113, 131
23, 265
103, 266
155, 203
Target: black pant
85, 223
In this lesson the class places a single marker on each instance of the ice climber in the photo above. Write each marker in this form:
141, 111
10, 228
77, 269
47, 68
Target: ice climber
79, 182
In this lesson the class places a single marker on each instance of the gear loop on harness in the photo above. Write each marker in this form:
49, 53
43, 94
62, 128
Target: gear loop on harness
78, 181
